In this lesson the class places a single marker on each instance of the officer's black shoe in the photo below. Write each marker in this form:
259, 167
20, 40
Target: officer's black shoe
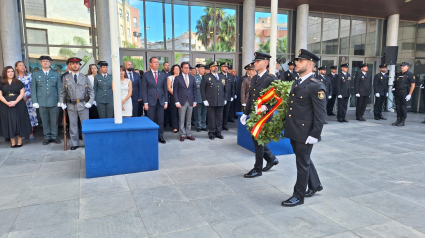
211, 137
344, 120
395, 123
56, 141
311, 192
292, 202
340, 120
362, 119
401, 123
382, 118
198, 129
74, 147
423, 122
325, 122
46, 142
377, 118
270, 165
204, 129
252, 174
161, 140
225, 128
230, 120
219, 136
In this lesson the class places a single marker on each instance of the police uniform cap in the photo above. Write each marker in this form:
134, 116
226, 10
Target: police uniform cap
207, 67
344, 65
405, 64
322, 68
102, 63
291, 63
230, 67
278, 61
305, 54
362, 65
249, 67
45, 57
261, 56
225, 64
199, 66
334, 67
74, 60
383, 66
190, 67
214, 63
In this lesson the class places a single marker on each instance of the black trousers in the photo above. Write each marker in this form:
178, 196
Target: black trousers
156, 114
361, 104
400, 102
379, 104
342, 107
215, 120
226, 113
261, 151
306, 172
140, 109
331, 104
173, 113
135, 108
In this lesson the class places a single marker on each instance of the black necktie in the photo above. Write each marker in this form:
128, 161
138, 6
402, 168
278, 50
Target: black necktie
299, 81
104, 76
75, 78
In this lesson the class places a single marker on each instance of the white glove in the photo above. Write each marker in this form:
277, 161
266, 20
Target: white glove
358, 95
231, 99
244, 105
35, 105
387, 95
311, 140
243, 119
225, 102
256, 109
206, 103
236, 96
422, 86
88, 105
264, 108
408, 97
63, 106
377, 95
393, 89
94, 103
339, 96
59, 104
330, 97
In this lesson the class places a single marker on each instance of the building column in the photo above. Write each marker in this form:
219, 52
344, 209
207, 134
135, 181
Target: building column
11, 37
248, 34
103, 31
302, 28
273, 36
392, 38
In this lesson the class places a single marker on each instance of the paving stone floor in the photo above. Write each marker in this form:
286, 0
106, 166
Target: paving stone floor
372, 174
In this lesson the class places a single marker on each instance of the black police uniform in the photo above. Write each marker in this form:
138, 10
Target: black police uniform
305, 117
231, 91
343, 89
362, 86
213, 91
402, 85
380, 85
289, 76
333, 78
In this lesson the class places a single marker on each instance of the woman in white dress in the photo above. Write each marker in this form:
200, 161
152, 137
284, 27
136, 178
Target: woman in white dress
93, 70
172, 109
126, 91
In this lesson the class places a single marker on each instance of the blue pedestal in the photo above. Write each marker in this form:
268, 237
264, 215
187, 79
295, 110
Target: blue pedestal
113, 149
282, 147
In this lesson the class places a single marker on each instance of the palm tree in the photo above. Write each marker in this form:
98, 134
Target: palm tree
281, 46
68, 52
227, 33
205, 26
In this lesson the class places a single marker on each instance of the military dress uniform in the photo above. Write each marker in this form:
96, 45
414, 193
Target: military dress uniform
333, 78
362, 90
76, 92
103, 95
45, 91
380, 87
200, 109
343, 92
304, 122
288, 75
229, 83
214, 93
402, 84
246, 86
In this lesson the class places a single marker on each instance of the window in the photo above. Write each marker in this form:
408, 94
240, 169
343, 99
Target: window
35, 8
330, 34
122, 30
128, 32
314, 32
135, 39
134, 22
37, 36
120, 13
128, 16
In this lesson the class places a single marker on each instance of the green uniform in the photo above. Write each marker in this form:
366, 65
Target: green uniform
103, 95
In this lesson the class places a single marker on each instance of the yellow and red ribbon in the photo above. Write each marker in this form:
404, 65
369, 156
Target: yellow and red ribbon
263, 99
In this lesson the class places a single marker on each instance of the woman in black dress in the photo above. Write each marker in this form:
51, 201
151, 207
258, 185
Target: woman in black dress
14, 118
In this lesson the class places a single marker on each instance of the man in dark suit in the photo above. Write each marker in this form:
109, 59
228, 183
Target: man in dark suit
304, 124
231, 89
362, 90
261, 81
155, 95
343, 92
327, 82
290, 74
333, 77
184, 92
380, 86
235, 104
166, 70
214, 94
136, 97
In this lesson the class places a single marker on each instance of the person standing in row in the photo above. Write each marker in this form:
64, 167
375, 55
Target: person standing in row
126, 90
91, 74
136, 96
214, 95
207, 69
173, 113
201, 109
155, 95
77, 95
343, 92
290, 75
333, 77
304, 124
362, 89
235, 104
104, 98
246, 84
404, 84
327, 82
258, 83
380, 86
25, 78
14, 119
422, 87
227, 81
46, 88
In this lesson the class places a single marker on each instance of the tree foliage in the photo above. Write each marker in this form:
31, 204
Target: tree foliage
281, 46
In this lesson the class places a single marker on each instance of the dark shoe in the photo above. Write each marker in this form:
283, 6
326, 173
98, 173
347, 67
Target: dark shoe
230, 120
362, 119
190, 138
395, 123
161, 140
331, 114
340, 120
252, 174
46, 142
382, 118
325, 122
181, 138
344, 120
211, 137
376, 118
270, 165
311, 192
225, 128
219, 136
57, 141
423, 122
204, 129
292, 202
401, 123
198, 130
18, 145
74, 147
13, 146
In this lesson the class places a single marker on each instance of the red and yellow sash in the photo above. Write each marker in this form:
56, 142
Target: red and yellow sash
265, 98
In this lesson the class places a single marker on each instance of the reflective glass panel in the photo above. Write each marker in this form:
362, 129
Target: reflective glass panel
180, 57
136, 38
406, 39
420, 41
154, 25
344, 41
419, 71
262, 31
202, 26
137, 61
374, 37
181, 27
330, 34
358, 36
314, 32
226, 28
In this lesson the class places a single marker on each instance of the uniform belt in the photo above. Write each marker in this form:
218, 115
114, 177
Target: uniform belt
74, 101
11, 94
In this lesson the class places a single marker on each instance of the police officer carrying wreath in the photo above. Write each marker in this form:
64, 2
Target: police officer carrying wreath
362, 89
380, 86
214, 94
46, 86
304, 123
77, 95
259, 82
404, 84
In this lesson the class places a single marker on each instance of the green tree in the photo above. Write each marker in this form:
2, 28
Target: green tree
205, 25
281, 45
67, 52
227, 33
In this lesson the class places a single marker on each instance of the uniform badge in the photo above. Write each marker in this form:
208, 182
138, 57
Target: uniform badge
299, 52
289, 75
321, 95
413, 77
296, 78
210, 79
342, 77
381, 77
362, 77
39, 76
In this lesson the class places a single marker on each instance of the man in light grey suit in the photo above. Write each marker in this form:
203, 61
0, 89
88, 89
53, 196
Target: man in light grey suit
77, 95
